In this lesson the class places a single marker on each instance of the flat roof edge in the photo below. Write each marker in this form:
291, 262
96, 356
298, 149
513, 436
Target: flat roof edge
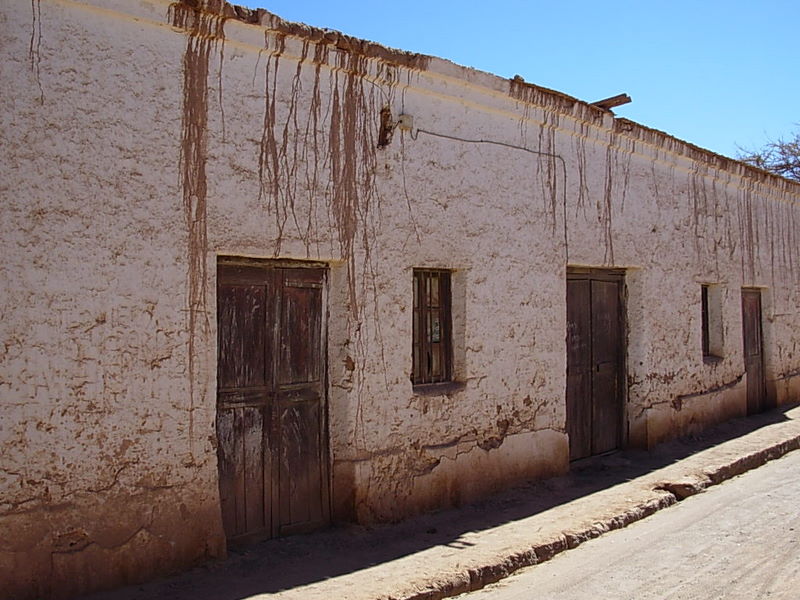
516, 87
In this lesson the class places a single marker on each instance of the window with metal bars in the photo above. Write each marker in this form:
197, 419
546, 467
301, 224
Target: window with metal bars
432, 360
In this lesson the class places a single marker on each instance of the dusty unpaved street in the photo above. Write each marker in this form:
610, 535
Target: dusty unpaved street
738, 540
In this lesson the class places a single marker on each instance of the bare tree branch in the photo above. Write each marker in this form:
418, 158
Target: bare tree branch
781, 157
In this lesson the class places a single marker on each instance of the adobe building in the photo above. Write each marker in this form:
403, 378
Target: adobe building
259, 277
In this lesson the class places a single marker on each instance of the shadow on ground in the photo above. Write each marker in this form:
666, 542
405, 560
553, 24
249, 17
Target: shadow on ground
281, 564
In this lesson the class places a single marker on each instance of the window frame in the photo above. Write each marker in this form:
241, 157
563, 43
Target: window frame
711, 320
426, 352
705, 318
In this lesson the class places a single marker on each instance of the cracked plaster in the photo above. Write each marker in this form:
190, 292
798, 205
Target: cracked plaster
107, 367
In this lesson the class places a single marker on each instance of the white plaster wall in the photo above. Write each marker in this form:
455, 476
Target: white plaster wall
108, 370
108, 470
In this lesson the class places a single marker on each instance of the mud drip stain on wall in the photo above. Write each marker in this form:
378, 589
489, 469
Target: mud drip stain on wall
202, 130
323, 149
206, 34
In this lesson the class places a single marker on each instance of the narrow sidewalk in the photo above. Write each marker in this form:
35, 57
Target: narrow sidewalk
453, 551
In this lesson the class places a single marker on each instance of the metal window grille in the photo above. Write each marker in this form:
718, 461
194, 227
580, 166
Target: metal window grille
432, 361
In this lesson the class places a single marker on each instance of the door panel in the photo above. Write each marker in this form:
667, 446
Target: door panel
243, 400
595, 362
605, 352
301, 324
271, 429
302, 465
579, 368
231, 472
256, 455
242, 347
301, 470
753, 351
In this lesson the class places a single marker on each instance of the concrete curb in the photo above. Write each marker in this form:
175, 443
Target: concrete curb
667, 493
753, 460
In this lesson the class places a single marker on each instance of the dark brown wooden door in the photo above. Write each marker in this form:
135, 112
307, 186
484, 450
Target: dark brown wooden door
271, 426
595, 361
753, 350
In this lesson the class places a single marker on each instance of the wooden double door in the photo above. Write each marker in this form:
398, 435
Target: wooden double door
595, 361
271, 416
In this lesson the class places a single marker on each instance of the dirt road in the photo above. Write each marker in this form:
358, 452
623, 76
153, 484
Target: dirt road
738, 540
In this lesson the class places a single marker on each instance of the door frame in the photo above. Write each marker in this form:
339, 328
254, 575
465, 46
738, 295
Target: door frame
616, 275
224, 260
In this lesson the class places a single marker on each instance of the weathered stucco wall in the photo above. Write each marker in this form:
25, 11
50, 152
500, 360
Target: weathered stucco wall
108, 469
143, 139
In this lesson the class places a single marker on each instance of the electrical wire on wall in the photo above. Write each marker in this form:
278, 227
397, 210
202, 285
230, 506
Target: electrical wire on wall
415, 134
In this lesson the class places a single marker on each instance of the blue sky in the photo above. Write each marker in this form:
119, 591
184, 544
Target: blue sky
717, 73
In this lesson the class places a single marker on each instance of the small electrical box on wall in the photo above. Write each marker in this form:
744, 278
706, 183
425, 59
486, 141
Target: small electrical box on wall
405, 122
